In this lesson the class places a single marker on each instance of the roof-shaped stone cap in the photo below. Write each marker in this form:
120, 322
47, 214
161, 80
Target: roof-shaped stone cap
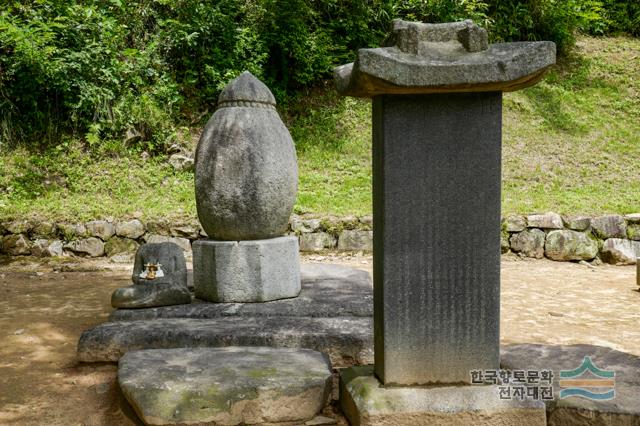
246, 88
436, 58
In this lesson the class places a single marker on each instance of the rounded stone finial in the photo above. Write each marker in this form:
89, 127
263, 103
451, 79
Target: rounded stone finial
246, 88
246, 167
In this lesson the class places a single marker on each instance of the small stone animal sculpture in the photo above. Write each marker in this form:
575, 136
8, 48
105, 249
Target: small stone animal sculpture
159, 279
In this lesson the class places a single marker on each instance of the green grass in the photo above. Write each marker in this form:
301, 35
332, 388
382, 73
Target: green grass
571, 145
73, 186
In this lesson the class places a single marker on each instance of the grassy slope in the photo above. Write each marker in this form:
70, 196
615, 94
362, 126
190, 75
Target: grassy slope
571, 144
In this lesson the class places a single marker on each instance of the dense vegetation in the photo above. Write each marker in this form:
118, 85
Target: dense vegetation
571, 145
124, 76
90, 88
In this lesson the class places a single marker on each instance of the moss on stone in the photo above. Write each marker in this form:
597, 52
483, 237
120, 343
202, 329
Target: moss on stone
259, 373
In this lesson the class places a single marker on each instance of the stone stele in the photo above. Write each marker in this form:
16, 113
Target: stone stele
246, 170
167, 288
437, 157
226, 386
437, 130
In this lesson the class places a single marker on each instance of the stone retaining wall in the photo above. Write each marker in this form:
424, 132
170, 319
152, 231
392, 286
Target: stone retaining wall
613, 239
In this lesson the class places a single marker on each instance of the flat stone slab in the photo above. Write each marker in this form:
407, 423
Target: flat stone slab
227, 386
327, 291
365, 401
347, 340
624, 409
333, 314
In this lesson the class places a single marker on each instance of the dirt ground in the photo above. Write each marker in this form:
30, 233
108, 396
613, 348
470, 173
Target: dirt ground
44, 309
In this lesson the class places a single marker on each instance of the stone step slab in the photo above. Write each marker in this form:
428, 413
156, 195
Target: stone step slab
327, 291
230, 386
347, 340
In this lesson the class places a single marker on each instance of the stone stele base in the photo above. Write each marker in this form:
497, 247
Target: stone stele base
365, 401
246, 271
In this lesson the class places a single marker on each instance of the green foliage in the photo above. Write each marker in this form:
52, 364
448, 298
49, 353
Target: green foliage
122, 75
616, 16
511, 20
571, 144
69, 69
443, 10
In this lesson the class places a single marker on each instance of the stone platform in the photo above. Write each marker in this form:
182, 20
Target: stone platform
229, 386
366, 402
328, 291
333, 314
347, 340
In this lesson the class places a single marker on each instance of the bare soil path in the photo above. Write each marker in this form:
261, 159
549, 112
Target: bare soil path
43, 312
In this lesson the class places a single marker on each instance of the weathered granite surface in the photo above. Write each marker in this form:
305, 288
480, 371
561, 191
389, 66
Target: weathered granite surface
347, 340
43, 247
566, 244
333, 314
91, 246
227, 386
146, 295
130, 229
365, 401
431, 58
577, 223
169, 255
514, 223
101, 229
168, 289
436, 158
317, 241
356, 240
181, 242
246, 172
120, 245
609, 226
327, 291
624, 409
549, 220
246, 271
620, 252
529, 242
16, 244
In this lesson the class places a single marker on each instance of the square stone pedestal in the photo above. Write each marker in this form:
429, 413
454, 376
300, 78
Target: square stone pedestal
246, 271
365, 401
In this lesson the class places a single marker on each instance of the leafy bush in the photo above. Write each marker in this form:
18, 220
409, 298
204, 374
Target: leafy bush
124, 74
617, 16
